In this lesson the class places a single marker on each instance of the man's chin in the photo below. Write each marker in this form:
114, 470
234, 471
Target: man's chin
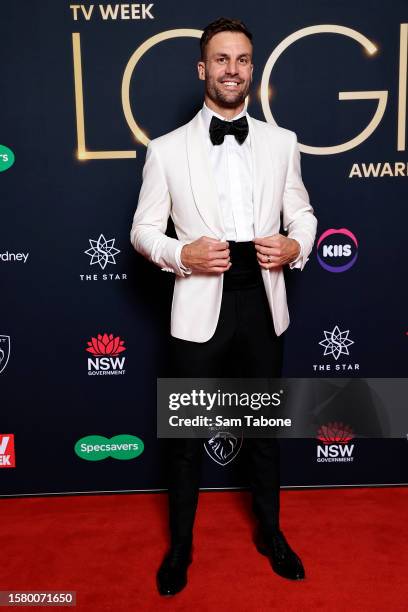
231, 101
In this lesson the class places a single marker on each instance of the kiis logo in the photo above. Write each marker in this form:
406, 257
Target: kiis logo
7, 453
335, 447
337, 250
105, 348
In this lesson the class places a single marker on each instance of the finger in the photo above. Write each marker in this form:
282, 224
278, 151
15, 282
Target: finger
268, 266
220, 269
268, 250
261, 241
214, 240
219, 262
219, 255
219, 246
267, 258
265, 240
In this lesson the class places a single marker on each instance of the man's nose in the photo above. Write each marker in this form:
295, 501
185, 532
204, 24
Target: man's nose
232, 67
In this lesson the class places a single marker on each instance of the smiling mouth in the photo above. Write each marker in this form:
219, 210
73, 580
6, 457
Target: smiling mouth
230, 84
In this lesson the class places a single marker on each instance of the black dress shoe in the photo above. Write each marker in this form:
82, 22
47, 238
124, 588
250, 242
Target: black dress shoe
172, 574
284, 560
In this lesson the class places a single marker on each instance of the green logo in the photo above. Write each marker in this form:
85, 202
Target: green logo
96, 448
6, 158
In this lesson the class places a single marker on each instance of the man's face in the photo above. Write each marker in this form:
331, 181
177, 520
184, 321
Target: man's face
227, 69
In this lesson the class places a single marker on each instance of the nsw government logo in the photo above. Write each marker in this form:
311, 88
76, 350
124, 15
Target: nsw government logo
337, 250
335, 447
336, 343
107, 358
102, 253
4, 352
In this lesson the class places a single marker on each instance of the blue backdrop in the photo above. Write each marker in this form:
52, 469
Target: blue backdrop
77, 118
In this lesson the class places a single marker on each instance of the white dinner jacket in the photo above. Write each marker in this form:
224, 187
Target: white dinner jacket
178, 181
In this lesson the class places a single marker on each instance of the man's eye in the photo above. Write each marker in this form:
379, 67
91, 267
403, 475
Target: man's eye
244, 60
221, 59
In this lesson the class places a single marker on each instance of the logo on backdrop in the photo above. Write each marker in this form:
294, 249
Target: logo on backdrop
223, 447
391, 168
106, 350
102, 253
337, 250
336, 343
19, 257
96, 448
335, 447
7, 452
6, 158
5, 347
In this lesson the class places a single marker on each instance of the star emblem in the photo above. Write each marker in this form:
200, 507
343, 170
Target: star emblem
102, 251
336, 342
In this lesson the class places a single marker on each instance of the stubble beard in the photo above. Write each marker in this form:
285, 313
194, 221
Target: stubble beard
215, 94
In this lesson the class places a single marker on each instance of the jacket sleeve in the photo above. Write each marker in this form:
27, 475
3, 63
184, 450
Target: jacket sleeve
298, 218
150, 219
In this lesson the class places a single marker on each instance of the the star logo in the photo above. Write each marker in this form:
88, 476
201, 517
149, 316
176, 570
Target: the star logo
102, 251
336, 342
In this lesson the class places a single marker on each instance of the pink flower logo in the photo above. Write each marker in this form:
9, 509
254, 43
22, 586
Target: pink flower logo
335, 433
106, 345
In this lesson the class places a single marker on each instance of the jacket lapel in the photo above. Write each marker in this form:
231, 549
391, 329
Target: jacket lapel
263, 178
202, 177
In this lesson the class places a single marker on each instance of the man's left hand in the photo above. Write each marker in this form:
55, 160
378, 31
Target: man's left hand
275, 251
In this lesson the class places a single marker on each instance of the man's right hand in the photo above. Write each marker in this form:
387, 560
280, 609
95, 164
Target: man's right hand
206, 255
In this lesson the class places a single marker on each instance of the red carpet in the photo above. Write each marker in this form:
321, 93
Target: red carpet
353, 542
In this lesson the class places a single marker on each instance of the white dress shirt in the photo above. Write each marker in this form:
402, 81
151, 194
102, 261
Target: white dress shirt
232, 166
233, 173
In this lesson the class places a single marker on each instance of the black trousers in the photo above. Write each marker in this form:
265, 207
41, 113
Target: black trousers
244, 345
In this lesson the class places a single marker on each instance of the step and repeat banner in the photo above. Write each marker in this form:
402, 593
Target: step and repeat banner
84, 319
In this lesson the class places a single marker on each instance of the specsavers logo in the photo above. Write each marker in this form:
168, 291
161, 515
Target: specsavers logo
96, 448
6, 158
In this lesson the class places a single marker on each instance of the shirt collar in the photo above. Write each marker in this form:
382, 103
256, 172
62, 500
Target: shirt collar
207, 114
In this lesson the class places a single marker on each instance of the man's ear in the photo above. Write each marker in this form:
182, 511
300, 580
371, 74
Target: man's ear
201, 70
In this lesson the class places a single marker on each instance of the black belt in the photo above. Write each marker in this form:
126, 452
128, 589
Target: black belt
245, 272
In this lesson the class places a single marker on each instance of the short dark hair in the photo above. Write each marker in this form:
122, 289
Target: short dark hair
223, 24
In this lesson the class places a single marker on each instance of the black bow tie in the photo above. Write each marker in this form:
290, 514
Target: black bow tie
219, 129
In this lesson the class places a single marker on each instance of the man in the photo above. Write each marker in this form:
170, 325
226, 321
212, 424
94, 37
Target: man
226, 180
